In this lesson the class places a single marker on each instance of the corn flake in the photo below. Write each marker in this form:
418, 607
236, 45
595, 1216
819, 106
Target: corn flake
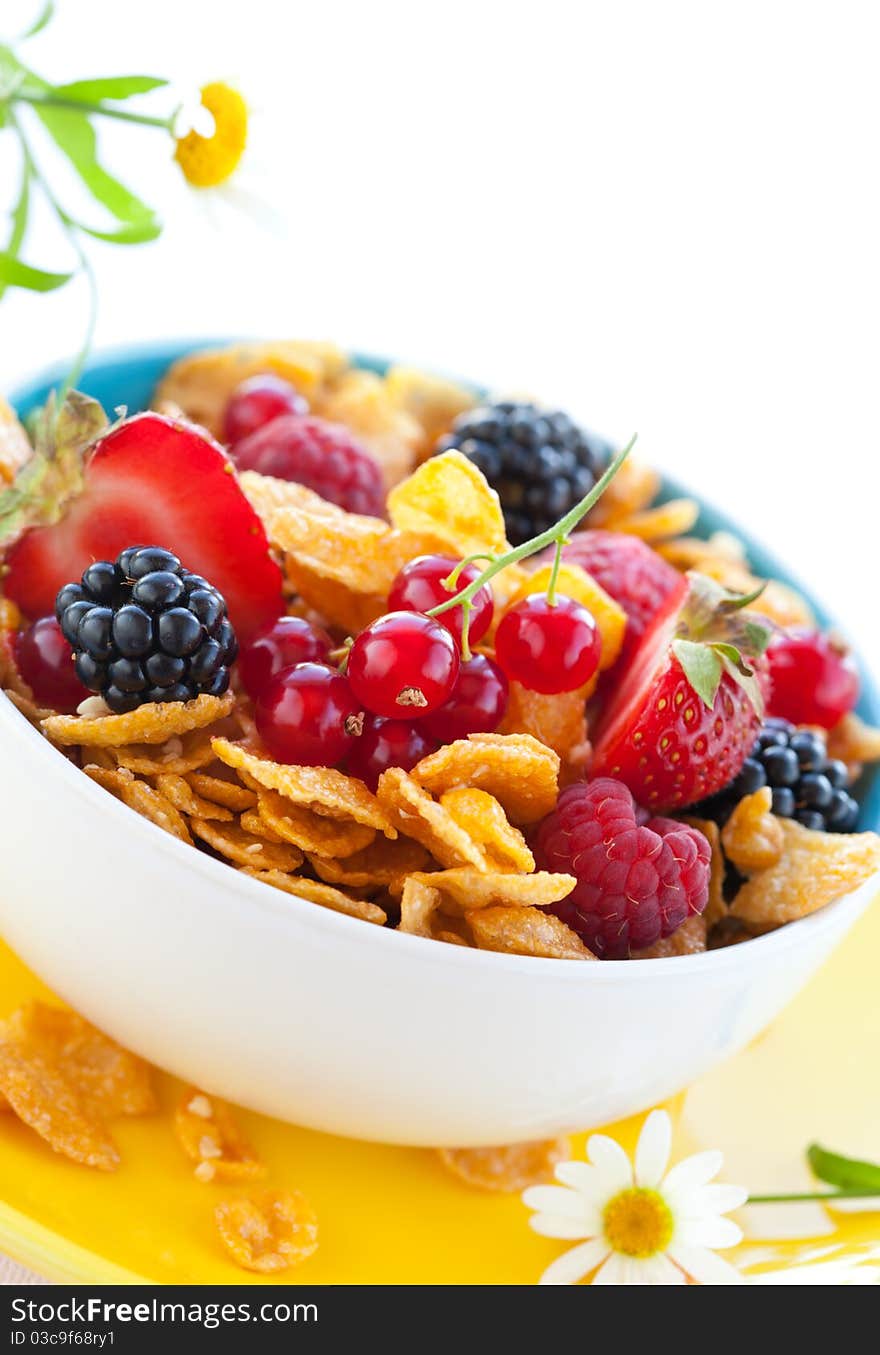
182, 796
383, 864
311, 832
521, 773
525, 931
854, 742
314, 891
432, 401
207, 1132
814, 870
634, 488
688, 939
450, 498
233, 842
418, 905
362, 401
229, 794
657, 524
464, 889
511, 1168
270, 1232
142, 798
752, 838
177, 756
151, 723
418, 816
481, 816
323, 789
559, 721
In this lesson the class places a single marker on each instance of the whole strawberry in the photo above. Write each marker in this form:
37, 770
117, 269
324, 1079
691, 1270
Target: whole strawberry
636, 577
637, 881
684, 718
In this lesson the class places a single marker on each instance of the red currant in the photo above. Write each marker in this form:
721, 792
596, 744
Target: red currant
814, 682
548, 647
256, 402
387, 743
307, 715
281, 644
476, 706
403, 665
45, 661
419, 587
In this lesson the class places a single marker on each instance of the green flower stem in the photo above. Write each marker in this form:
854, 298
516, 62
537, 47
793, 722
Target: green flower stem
553, 536
100, 109
814, 1195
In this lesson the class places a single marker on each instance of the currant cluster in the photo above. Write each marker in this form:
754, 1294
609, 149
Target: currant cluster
410, 681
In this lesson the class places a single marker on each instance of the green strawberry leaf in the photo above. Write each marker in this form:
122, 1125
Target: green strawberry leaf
74, 135
757, 634
732, 653
702, 668
14, 273
112, 87
848, 1173
744, 678
54, 473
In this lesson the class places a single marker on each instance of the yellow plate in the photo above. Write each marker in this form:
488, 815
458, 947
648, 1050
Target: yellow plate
390, 1215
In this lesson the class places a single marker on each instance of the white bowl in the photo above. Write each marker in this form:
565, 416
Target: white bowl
332, 1023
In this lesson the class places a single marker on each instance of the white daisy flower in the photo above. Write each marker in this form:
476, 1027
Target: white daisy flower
636, 1222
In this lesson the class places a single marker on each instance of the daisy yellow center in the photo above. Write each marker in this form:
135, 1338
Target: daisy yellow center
207, 161
638, 1222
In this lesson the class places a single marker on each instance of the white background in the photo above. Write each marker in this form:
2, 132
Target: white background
664, 216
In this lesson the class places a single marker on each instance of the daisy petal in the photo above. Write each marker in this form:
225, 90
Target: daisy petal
614, 1270
612, 1162
703, 1265
712, 1231
692, 1172
589, 1181
557, 1225
658, 1270
555, 1200
711, 1200
573, 1265
652, 1150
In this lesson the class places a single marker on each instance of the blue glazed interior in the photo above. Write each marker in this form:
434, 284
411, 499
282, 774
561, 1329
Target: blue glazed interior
128, 375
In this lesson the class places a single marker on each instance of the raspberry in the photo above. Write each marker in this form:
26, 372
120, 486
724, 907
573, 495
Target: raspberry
634, 575
325, 457
636, 881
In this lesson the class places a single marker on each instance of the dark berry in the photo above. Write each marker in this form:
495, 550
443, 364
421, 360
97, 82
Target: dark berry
811, 818
783, 802
143, 629
782, 766
538, 460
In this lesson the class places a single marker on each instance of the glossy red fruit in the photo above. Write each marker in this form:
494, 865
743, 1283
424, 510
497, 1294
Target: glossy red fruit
814, 681
325, 457
154, 479
403, 666
477, 703
45, 661
419, 588
308, 716
387, 743
659, 737
258, 401
548, 647
281, 644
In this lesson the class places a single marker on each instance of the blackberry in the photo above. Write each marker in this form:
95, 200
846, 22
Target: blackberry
145, 629
539, 462
805, 783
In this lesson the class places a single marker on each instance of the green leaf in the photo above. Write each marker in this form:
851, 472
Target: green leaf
54, 474
74, 135
702, 668
848, 1173
109, 87
732, 654
19, 217
138, 233
16, 76
14, 273
43, 18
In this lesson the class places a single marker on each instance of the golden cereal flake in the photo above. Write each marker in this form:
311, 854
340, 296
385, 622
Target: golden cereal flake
814, 870
270, 1232
510, 1168
521, 773
152, 723
525, 931
752, 838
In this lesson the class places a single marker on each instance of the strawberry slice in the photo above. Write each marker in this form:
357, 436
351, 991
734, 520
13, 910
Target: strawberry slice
684, 718
149, 480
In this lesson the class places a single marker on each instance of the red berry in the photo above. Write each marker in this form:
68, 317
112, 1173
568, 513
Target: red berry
384, 744
45, 661
658, 736
307, 715
325, 457
258, 401
548, 647
281, 644
403, 665
477, 704
636, 881
629, 571
814, 681
419, 587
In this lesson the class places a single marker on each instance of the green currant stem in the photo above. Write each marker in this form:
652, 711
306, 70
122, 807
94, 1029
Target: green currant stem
553, 535
454, 575
554, 573
102, 110
814, 1195
466, 608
